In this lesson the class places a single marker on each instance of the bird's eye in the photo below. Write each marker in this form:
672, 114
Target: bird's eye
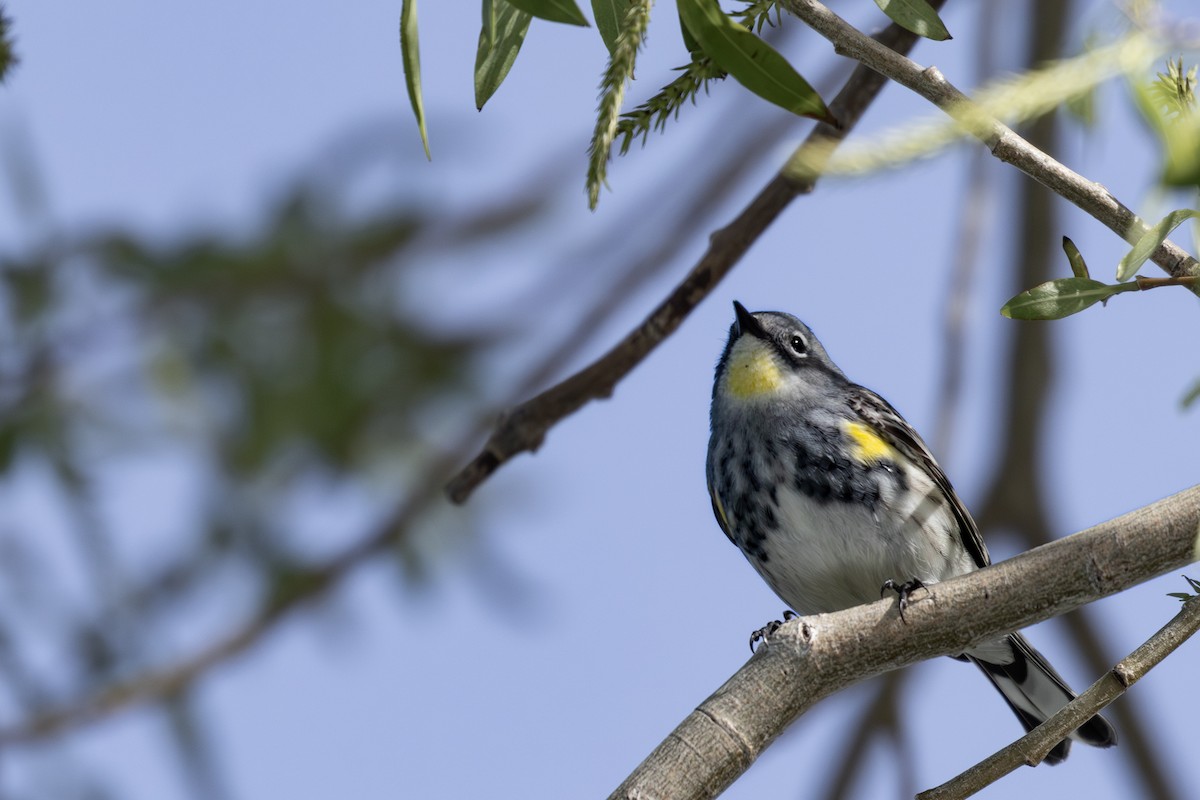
799, 346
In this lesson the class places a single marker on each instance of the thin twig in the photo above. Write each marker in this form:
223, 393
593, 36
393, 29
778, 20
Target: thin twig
1031, 748
1144, 284
523, 428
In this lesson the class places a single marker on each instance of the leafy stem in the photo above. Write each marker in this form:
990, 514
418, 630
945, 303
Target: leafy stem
652, 115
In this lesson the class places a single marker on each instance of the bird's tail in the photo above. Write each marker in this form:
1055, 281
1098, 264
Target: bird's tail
1034, 691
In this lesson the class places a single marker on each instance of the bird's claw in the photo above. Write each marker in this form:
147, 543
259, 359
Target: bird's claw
904, 590
766, 631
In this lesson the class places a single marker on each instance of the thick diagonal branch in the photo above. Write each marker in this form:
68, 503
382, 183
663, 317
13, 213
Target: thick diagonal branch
813, 657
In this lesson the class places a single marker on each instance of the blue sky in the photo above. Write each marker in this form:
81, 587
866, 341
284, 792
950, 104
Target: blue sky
632, 605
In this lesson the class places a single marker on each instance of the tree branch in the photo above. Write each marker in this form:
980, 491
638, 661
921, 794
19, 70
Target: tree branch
1031, 748
1004, 143
812, 657
523, 428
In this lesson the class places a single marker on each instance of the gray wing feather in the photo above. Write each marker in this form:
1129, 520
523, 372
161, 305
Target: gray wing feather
879, 415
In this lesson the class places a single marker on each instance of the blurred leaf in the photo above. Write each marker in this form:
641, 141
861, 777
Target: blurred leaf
298, 332
289, 584
1083, 107
1150, 241
39, 418
1168, 106
608, 14
1059, 298
8, 445
498, 46
410, 53
1191, 396
95, 650
916, 16
8, 55
29, 289
1182, 142
1078, 265
553, 10
754, 63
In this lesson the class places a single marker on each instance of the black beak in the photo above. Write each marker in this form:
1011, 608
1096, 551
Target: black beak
747, 322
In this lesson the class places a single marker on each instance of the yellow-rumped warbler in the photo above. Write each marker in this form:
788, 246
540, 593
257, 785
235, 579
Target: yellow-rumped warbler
831, 495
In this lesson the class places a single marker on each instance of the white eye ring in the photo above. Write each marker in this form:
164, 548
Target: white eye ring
799, 346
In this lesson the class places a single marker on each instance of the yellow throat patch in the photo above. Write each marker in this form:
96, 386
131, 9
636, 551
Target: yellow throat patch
752, 370
866, 445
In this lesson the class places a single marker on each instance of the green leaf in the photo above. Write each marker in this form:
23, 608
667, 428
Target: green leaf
1060, 298
612, 93
655, 112
689, 41
754, 63
1185, 596
553, 10
498, 46
916, 16
1078, 265
410, 54
608, 14
1178, 127
1150, 241
488, 32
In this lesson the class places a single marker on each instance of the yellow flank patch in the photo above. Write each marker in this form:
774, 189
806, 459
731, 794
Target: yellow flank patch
752, 370
720, 507
866, 445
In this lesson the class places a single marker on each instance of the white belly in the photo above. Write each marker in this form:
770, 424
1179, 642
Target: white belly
829, 556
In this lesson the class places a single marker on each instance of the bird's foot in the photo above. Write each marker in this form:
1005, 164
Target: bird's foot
904, 590
766, 631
